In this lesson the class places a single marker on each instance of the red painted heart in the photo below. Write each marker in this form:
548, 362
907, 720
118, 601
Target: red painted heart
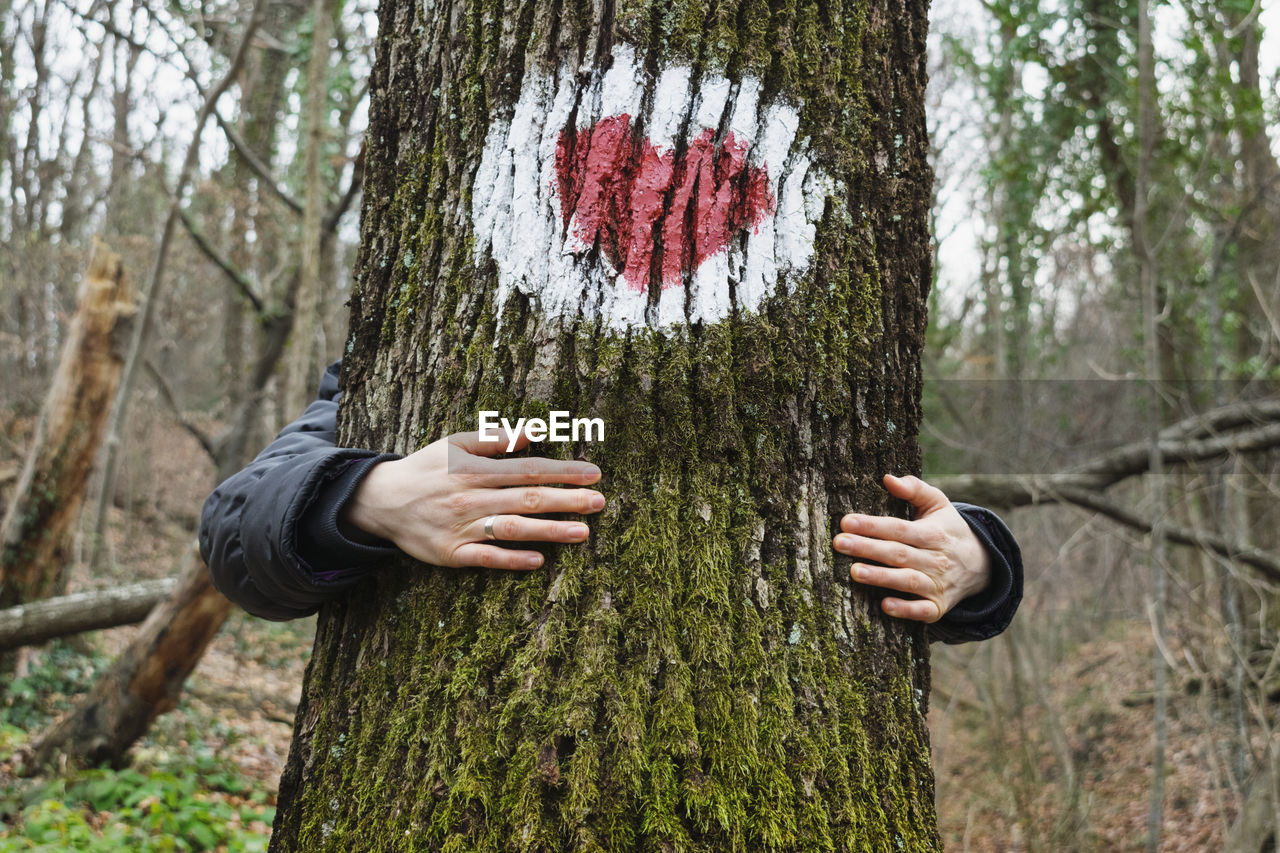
656, 216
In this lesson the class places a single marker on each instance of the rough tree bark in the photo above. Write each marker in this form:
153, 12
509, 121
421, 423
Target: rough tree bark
35, 535
705, 224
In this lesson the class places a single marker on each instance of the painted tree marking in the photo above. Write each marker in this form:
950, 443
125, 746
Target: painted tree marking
581, 195
613, 188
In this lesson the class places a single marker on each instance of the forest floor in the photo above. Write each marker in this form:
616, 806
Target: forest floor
1069, 769
1078, 776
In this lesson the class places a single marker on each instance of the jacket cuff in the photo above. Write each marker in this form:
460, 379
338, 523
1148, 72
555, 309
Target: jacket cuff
987, 613
324, 551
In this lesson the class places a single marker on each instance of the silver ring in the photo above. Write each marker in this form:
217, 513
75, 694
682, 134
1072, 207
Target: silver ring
488, 527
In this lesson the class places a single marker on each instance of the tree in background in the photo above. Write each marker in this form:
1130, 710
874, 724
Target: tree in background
244, 224
1078, 211
149, 675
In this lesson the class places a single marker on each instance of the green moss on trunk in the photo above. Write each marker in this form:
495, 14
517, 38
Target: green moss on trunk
701, 675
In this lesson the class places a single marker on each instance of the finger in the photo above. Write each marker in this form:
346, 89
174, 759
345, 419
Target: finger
885, 527
470, 442
889, 553
494, 557
518, 528
899, 580
535, 470
917, 611
535, 500
916, 492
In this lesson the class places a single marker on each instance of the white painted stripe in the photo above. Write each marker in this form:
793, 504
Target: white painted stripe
712, 96
670, 98
623, 85
745, 119
515, 206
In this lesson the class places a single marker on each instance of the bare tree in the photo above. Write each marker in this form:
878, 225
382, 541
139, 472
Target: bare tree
302, 363
153, 290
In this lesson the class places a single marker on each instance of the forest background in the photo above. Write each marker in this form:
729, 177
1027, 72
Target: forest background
1102, 366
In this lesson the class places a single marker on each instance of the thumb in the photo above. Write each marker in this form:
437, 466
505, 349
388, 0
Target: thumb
925, 498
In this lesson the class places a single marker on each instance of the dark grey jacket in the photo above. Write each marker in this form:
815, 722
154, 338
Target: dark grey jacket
270, 536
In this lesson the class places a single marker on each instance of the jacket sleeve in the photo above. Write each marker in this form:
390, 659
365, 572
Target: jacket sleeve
252, 525
986, 614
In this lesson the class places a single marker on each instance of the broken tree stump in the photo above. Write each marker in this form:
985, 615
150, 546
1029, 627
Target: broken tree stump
35, 534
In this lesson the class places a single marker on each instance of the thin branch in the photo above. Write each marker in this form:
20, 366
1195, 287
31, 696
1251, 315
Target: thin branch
166, 394
1229, 416
223, 263
1131, 460
1264, 303
233, 136
111, 29
119, 412
353, 190
1266, 563
1248, 20
262, 170
1014, 490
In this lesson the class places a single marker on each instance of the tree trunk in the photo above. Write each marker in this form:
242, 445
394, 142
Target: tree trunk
195, 606
154, 289
7, 98
1255, 828
301, 368
29, 624
34, 189
77, 201
706, 226
125, 54
146, 680
36, 532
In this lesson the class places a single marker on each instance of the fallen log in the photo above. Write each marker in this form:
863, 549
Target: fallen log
38, 621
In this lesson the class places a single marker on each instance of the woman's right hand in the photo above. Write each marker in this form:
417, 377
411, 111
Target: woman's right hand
433, 504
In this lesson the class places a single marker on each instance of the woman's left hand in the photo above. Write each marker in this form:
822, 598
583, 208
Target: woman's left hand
935, 557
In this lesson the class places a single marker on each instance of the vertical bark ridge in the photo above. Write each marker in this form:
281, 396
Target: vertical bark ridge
701, 675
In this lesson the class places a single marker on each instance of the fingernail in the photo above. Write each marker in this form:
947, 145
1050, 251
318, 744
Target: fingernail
592, 472
533, 562
597, 501
858, 572
579, 531
843, 541
890, 608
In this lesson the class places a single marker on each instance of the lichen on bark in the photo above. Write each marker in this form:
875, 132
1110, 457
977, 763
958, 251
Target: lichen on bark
701, 675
